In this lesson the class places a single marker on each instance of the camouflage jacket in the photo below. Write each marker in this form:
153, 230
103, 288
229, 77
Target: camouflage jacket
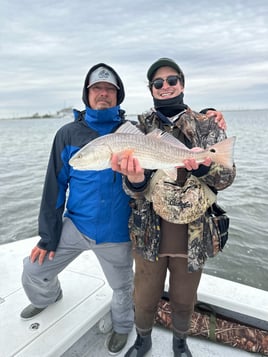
195, 130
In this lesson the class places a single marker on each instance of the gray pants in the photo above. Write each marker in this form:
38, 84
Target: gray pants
42, 286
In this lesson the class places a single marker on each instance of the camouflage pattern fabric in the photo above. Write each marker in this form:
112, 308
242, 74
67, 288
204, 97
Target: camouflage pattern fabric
217, 235
144, 226
181, 205
218, 329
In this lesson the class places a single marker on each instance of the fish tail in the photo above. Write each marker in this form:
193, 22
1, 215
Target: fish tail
222, 153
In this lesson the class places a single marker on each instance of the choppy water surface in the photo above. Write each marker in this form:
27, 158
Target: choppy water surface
25, 146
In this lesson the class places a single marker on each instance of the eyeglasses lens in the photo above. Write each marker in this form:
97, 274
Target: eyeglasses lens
171, 80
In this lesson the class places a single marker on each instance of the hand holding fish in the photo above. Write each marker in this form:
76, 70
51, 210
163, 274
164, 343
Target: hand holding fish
128, 166
192, 164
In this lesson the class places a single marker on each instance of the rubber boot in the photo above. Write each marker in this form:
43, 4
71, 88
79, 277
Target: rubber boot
142, 345
180, 347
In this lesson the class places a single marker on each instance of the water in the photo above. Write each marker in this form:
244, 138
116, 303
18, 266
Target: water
25, 147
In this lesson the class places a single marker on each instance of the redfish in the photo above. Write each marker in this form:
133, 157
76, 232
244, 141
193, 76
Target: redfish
156, 150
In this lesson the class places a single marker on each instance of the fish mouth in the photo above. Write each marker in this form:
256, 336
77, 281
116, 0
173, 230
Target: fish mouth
74, 161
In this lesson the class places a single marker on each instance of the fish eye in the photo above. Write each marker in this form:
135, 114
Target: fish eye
212, 150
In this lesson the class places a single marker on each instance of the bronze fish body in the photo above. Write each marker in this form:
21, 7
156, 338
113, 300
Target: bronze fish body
156, 150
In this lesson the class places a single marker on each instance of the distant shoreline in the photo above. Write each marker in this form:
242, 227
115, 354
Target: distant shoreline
59, 114
65, 112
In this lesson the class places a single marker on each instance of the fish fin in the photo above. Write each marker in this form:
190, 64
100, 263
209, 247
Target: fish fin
128, 128
222, 153
172, 173
166, 137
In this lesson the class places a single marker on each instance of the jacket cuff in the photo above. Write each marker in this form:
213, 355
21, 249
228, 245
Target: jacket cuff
139, 186
201, 171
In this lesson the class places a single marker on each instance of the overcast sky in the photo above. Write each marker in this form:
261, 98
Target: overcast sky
47, 47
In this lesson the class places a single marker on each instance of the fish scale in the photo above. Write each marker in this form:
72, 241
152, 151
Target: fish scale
148, 150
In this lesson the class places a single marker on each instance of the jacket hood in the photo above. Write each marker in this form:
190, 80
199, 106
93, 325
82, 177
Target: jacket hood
120, 92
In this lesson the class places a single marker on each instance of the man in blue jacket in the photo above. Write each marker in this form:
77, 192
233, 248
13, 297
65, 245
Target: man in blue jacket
96, 214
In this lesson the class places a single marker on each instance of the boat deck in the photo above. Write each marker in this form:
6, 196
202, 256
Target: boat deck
78, 324
93, 343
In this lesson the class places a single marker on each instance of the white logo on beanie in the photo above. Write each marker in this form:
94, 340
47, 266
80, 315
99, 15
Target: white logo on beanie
102, 74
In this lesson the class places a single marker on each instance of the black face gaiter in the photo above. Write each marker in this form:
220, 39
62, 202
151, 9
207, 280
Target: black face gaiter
170, 107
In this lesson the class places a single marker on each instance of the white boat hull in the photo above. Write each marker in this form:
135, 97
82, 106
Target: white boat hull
71, 326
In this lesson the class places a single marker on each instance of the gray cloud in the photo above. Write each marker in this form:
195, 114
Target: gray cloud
47, 47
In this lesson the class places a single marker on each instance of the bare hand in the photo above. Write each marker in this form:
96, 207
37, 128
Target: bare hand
128, 166
40, 254
218, 118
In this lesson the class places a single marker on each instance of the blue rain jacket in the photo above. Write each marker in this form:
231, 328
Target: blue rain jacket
93, 200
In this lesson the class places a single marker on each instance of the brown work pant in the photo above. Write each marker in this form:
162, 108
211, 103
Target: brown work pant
149, 285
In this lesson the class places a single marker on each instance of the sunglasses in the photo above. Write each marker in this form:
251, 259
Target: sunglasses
171, 80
